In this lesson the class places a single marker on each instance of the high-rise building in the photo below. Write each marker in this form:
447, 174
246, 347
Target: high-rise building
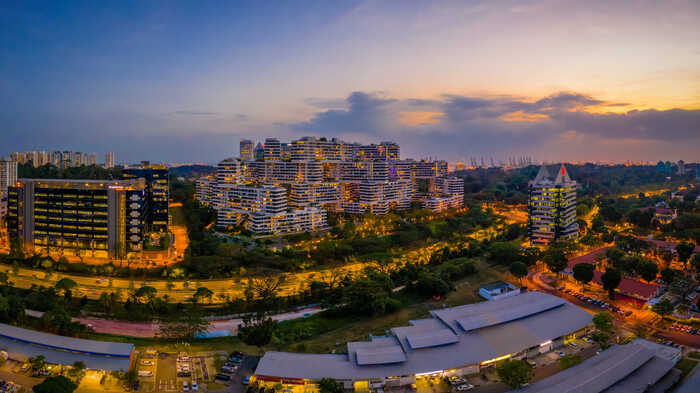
8, 174
552, 207
273, 149
681, 167
157, 183
98, 218
109, 160
259, 152
93, 159
246, 150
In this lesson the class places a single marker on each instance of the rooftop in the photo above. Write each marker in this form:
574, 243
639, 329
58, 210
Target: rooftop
630, 368
431, 344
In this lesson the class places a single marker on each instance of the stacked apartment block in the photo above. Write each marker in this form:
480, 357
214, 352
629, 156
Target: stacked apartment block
292, 186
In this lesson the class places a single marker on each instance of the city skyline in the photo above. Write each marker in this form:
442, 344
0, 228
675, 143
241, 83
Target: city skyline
176, 82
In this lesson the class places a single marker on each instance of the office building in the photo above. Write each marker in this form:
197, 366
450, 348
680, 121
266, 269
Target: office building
109, 160
454, 341
157, 192
246, 150
205, 190
96, 218
552, 207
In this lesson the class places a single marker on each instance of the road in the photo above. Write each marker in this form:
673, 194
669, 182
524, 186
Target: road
640, 318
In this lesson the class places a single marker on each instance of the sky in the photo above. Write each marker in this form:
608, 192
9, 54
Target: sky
184, 81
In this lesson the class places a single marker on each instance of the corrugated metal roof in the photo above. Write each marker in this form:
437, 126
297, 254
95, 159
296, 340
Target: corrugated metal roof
431, 338
620, 369
471, 348
381, 355
90, 347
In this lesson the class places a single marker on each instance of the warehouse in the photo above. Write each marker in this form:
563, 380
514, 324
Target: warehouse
640, 366
453, 341
22, 344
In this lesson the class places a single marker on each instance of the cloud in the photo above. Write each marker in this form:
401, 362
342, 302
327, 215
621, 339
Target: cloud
195, 113
366, 113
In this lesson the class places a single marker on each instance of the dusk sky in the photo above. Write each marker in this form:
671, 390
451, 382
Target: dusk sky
183, 81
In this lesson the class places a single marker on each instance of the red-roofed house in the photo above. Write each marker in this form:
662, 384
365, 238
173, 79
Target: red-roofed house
628, 286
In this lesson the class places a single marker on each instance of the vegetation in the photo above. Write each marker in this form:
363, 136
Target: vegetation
567, 361
515, 373
58, 384
329, 385
663, 308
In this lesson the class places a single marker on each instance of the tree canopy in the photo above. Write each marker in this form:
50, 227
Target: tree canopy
515, 373
58, 384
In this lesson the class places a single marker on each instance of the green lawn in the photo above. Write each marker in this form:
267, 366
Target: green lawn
686, 365
694, 355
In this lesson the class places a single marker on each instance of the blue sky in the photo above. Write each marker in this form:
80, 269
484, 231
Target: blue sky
184, 81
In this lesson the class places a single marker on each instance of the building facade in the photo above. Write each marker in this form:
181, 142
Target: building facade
157, 192
552, 207
97, 218
109, 160
246, 150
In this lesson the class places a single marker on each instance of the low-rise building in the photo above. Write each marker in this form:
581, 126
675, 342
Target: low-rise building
21, 344
453, 341
640, 366
498, 290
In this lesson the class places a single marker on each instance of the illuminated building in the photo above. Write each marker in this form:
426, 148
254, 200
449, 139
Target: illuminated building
454, 341
109, 160
204, 190
8, 174
552, 207
326, 195
246, 150
273, 149
98, 218
157, 191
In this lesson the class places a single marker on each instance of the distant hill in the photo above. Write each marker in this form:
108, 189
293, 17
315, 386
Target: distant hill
189, 171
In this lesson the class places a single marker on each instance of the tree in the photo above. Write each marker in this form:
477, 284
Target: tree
59, 384
668, 275
666, 256
601, 338
503, 253
146, 293
429, 285
515, 373
555, 258
37, 363
182, 325
695, 262
330, 385
66, 285
648, 270
257, 330
603, 321
202, 293
614, 255
611, 279
685, 250
518, 269
77, 368
583, 273
567, 361
662, 308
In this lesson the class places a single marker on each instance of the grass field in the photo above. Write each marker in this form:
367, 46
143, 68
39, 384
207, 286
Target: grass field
686, 365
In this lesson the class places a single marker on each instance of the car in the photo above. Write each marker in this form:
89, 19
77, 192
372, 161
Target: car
223, 377
195, 387
238, 354
560, 353
234, 359
136, 386
185, 386
146, 362
588, 340
573, 345
465, 387
532, 364
246, 380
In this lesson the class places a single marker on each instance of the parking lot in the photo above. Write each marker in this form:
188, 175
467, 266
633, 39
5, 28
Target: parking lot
594, 301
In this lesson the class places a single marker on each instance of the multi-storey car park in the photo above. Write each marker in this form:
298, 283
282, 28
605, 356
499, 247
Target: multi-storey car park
453, 341
330, 175
552, 207
98, 218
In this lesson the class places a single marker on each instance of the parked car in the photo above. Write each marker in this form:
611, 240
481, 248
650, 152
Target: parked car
222, 377
246, 380
195, 387
465, 387
185, 386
